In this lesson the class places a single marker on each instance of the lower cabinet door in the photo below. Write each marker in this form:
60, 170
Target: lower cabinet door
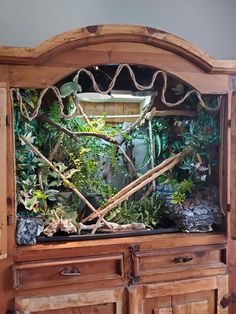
99, 302
98, 309
196, 296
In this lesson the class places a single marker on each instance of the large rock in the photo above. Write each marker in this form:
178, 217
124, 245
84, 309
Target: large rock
27, 229
196, 214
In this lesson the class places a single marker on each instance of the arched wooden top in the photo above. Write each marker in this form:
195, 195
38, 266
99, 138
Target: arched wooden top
98, 34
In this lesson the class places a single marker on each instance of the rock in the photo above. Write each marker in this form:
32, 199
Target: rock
27, 229
196, 214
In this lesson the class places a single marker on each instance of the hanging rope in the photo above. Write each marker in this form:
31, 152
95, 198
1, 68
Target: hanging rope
32, 115
145, 87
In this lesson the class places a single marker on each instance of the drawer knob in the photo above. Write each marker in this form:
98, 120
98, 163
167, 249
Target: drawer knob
182, 259
70, 271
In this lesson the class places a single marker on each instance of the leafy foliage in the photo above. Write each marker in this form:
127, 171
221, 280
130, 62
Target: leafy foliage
144, 211
39, 189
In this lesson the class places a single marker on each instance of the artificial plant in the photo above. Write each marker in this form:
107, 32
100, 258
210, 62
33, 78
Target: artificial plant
81, 146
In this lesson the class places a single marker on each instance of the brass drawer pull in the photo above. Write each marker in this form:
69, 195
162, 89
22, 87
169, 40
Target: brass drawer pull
181, 259
70, 271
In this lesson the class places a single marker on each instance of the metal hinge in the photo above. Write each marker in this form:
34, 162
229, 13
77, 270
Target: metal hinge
229, 123
227, 300
9, 220
133, 249
7, 120
132, 278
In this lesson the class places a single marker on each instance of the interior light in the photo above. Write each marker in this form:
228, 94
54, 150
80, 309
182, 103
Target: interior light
93, 97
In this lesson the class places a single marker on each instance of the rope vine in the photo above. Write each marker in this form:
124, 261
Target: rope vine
32, 115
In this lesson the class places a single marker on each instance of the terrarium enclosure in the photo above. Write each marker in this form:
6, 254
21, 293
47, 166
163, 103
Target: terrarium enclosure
116, 150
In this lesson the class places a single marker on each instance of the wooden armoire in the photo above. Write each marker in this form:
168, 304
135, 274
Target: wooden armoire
176, 273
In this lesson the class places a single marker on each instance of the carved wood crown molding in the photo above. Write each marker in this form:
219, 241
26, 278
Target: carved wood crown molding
97, 34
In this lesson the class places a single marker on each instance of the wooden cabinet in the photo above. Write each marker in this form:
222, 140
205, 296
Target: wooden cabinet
74, 270
158, 274
192, 296
102, 302
149, 274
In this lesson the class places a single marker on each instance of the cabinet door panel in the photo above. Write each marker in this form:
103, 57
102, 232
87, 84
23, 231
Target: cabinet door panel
192, 308
95, 309
92, 302
196, 296
194, 303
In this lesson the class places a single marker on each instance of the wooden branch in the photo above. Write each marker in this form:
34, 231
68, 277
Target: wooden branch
104, 211
138, 184
65, 180
76, 135
50, 158
85, 116
132, 169
130, 128
148, 192
136, 188
55, 148
115, 226
138, 181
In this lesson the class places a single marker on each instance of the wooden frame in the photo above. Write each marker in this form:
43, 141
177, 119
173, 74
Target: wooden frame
62, 55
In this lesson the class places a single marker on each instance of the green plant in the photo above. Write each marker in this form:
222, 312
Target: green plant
145, 210
186, 186
178, 198
84, 159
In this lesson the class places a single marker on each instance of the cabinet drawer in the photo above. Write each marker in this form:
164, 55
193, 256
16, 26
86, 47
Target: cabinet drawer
178, 259
57, 272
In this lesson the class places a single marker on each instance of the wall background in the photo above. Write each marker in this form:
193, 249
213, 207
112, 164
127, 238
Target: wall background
209, 24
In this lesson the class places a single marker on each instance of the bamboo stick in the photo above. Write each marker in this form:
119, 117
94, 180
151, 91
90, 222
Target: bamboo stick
138, 184
104, 211
136, 188
138, 180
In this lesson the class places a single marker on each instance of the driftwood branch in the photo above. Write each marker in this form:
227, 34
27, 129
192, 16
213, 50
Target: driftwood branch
116, 202
84, 115
131, 168
142, 116
114, 226
77, 135
137, 182
136, 185
50, 158
65, 180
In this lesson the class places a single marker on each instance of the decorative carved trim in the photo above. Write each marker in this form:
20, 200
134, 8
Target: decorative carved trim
97, 34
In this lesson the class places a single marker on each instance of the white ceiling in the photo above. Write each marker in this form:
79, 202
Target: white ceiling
209, 24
